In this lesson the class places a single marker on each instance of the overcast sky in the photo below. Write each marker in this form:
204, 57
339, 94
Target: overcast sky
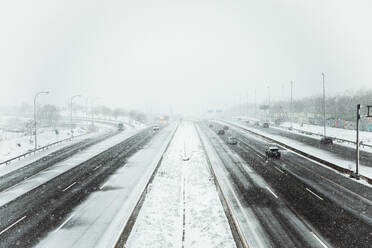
181, 55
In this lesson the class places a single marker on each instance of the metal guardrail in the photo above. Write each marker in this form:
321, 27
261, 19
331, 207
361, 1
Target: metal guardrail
234, 223
6, 162
121, 238
324, 162
321, 135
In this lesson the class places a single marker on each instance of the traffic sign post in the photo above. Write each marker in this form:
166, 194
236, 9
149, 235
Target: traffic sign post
357, 143
356, 173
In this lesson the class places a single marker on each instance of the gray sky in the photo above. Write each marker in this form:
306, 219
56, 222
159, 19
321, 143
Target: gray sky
184, 55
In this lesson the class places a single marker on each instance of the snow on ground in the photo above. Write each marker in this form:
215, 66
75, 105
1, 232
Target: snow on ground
61, 167
14, 144
182, 189
340, 133
322, 154
98, 221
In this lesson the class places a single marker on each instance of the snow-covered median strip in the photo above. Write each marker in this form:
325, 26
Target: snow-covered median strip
182, 207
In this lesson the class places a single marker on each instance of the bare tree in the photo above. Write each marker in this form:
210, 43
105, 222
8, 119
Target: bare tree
49, 114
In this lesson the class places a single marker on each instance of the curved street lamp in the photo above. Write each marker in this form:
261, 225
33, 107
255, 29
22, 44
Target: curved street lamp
37, 94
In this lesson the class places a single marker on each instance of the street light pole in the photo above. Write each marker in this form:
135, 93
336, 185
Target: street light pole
37, 94
324, 108
72, 98
92, 106
268, 110
291, 103
247, 104
255, 103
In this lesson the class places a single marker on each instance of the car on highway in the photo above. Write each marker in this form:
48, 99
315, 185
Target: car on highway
265, 125
226, 127
221, 132
120, 126
155, 129
326, 140
256, 123
272, 152
210, 125
232, 141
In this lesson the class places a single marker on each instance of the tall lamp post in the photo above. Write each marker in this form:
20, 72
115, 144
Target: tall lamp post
37, 94
268, 110
92, 106
291, 117
324, 103
72, 98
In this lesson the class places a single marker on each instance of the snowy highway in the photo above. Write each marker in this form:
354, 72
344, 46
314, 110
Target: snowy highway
182, 186
43, 199
292, 202
343, 155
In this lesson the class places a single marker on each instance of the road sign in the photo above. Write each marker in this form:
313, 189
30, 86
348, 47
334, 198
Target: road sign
369, 111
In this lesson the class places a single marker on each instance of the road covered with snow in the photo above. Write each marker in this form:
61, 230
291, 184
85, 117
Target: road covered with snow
182, 207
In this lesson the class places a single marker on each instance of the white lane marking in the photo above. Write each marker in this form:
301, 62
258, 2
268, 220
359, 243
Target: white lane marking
97, 167
314, 194
321, 242
248, 220
258, 154
64, 223
304, 167
272, 192
72, 184
15, 223
103, 185
279, 170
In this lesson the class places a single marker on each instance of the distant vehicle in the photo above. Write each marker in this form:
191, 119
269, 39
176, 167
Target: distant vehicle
210, 125
326, 140
120, 126
221, 132
256, 123
155, 129
265, 125
226, 127
232, 141
272, 152
290, 128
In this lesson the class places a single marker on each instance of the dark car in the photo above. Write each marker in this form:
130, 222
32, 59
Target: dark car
326, 140
210, 125
120, 126
221, 132
256, 123
232, 141
272, 152
226, 127
265, 125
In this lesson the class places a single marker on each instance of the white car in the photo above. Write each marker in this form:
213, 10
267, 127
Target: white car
232, 141
156, 129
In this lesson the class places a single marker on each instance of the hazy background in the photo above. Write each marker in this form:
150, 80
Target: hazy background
184, 56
